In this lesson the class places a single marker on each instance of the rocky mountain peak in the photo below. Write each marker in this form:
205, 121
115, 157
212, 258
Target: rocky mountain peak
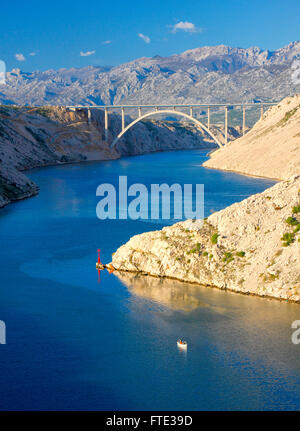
207, 74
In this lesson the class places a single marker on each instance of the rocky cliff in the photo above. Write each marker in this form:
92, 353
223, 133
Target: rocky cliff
270, 149
251, 247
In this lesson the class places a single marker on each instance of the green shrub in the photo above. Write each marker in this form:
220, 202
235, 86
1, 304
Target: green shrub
292, 221
296, 209
205, 253
240, 254
297, 229
288, 238
214, 238
228, 257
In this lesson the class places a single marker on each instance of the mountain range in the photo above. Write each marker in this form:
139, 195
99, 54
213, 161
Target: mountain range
210, 74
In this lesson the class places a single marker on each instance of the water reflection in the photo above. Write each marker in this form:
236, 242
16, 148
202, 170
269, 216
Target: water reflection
172, 293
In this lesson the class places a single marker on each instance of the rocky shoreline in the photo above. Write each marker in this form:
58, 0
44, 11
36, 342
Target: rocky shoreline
251, 247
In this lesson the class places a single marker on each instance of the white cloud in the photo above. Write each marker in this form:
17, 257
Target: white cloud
185, 26
32, 54
20, 57
87, 53
144, 37
106, 42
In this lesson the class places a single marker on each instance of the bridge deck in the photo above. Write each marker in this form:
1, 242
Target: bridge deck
186, 105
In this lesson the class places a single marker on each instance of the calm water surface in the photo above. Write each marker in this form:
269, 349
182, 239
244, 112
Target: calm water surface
74, 343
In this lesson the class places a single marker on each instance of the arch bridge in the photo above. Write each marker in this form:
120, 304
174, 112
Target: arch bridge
184, 110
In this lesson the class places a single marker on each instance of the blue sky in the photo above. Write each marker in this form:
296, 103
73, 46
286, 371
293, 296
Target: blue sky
38, 35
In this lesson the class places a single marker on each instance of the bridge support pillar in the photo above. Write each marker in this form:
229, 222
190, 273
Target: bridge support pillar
191, 111
123, 119
244, 120
106, 124
89, 115
261, 111
208, 117
226, 125
139, 111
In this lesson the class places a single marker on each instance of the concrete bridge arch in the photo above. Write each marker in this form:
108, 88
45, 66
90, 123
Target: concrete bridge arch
167, 111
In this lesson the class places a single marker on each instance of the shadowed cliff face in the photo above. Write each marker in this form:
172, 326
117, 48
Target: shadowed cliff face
36, 137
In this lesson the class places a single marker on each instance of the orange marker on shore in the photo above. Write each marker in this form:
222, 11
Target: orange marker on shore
99, 265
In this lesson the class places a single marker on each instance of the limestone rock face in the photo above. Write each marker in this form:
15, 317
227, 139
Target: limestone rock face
250, 247
270, 149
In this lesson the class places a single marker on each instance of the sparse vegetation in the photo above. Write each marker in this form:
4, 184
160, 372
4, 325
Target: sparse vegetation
297, 229
163, 236
287, 238
292, 221
240, 253
268, 277
228, 257
214, 238
287, 116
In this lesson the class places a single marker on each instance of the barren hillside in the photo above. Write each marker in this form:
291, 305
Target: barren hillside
270, 149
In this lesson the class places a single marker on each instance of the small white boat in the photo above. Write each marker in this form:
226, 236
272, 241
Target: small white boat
182, 344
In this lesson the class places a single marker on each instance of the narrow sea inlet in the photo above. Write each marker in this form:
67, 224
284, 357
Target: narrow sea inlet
73, 343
